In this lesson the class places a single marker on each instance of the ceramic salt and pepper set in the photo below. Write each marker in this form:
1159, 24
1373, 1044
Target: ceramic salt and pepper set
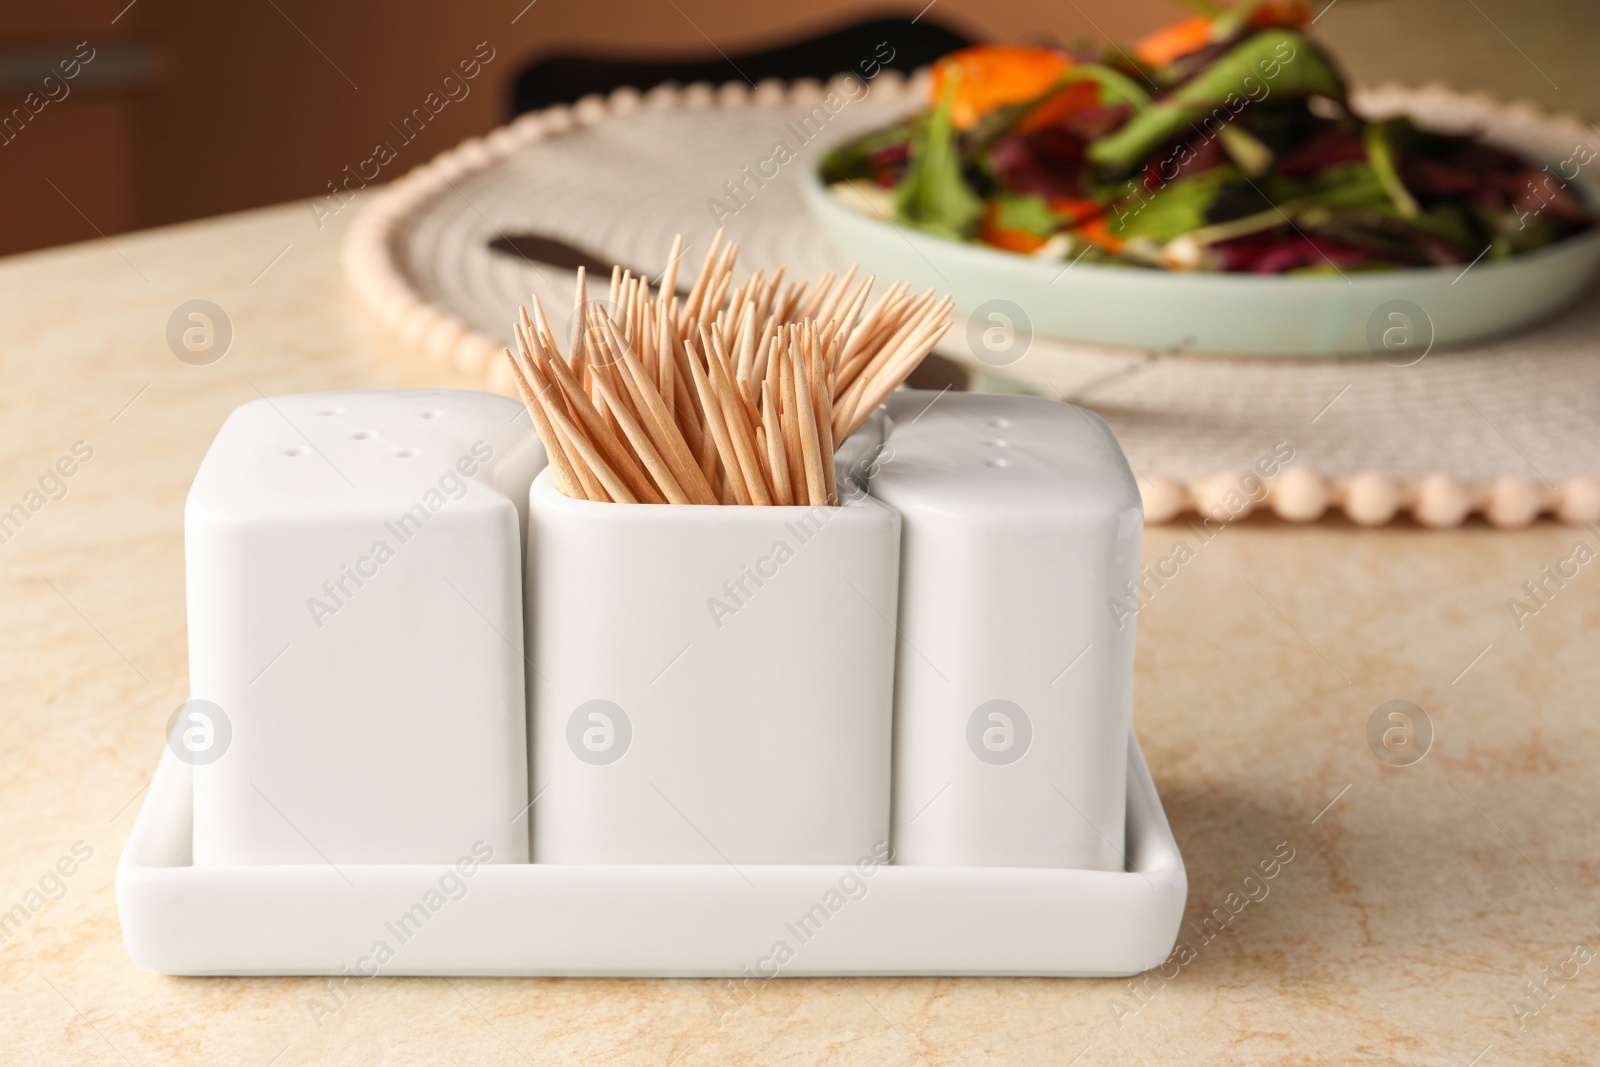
446, 720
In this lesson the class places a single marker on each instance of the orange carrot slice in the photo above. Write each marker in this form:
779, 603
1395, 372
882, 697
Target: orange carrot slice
1075, 209
1069, 101
1290, 13
1174, 41
1096, 232
1195, 32
994, 75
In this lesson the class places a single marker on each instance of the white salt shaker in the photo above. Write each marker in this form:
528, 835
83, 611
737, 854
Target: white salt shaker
354, 569
1013, 685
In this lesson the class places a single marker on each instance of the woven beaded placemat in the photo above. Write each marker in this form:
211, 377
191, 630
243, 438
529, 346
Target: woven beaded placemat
1509, 429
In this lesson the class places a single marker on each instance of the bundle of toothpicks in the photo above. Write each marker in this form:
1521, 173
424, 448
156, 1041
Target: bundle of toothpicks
729, 395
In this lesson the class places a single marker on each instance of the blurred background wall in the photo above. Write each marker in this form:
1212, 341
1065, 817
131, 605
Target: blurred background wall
186, 108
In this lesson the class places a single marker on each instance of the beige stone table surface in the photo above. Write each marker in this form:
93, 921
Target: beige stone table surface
1417, 904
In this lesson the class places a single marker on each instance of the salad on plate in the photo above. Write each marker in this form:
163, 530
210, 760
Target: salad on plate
1224, 142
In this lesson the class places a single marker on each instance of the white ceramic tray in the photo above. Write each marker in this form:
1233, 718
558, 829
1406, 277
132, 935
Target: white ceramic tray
643, 919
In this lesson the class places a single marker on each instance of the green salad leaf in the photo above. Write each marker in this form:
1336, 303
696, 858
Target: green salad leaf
1115, 86
934, 196
1272, 62
1380, 138
1026, 212
1342, 185
853, 159
1174, 209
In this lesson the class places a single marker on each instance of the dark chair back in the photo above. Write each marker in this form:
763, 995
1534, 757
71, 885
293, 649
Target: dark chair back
862, 48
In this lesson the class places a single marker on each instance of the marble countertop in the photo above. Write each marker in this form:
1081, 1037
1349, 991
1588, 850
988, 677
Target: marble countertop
1420, 914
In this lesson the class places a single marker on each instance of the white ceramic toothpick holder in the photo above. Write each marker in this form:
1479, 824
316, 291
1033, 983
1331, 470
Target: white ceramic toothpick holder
354, 614
712, 684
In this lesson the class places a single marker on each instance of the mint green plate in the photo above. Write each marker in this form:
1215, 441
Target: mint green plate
1392, 313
